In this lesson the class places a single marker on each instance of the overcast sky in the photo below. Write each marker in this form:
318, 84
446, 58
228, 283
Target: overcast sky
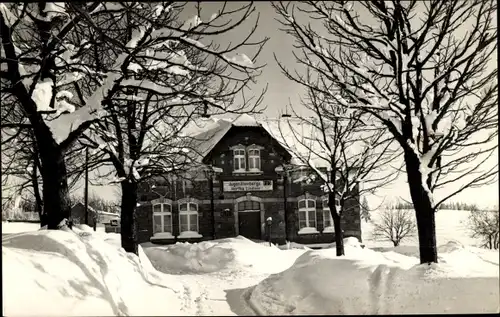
281, 91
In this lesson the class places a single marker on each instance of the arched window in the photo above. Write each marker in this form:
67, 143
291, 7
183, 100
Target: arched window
307, 213
248, 205
162, 218
188, 217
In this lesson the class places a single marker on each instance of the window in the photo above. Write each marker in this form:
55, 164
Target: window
248, 205
254, 160
162, 218
327, 215
188, 217
239, 159
307, 213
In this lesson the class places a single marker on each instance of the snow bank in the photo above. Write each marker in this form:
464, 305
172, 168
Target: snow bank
219, 255
18, 227
369, 282
185, 258
77, 273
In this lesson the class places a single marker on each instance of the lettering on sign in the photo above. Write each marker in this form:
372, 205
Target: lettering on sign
248, 186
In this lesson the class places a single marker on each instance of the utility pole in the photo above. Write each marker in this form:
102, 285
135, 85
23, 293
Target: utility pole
86, 189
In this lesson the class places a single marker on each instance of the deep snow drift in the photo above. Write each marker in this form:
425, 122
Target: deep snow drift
85, 273
228, 254
369, 282
65, 273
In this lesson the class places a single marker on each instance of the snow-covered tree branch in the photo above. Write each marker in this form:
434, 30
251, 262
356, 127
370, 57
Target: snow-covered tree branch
345, 142
414, 67
166, 74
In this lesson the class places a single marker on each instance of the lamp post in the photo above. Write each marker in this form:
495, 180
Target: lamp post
284, 170
210, 173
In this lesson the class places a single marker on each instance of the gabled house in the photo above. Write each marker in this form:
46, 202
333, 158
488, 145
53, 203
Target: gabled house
239, 188
102, 217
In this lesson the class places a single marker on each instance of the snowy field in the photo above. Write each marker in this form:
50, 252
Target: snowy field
451, 225
86, 273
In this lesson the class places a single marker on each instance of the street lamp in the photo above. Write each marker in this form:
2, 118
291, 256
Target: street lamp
283, 170
210, 172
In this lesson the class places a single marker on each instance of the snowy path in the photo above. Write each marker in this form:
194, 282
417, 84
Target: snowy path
219, 293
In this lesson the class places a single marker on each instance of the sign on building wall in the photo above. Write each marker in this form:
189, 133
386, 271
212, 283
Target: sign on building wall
248, 186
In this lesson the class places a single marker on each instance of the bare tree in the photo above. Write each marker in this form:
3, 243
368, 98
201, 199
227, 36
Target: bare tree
485, 226
422, 69
21, 163
41, 69
394, 225
351, 149
174, 75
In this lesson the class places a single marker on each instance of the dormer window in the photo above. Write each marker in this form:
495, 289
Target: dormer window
253, 159
239, 159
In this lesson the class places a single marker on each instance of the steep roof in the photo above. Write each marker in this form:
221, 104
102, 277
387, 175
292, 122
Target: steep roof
245, 120
206, 140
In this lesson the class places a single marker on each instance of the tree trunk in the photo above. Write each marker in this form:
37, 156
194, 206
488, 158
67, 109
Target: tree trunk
396, 243
56, 202
38, 198
339, 237
424, 211
128, 217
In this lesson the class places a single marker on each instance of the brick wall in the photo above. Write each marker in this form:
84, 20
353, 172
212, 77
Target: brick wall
224, 202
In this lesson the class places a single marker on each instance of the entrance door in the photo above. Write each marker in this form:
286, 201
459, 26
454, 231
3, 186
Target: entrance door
249, 223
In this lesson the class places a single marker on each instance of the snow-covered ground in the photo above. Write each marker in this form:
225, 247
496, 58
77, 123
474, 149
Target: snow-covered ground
87, 273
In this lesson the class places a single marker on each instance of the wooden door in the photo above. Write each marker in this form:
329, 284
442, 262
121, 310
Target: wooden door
249, 223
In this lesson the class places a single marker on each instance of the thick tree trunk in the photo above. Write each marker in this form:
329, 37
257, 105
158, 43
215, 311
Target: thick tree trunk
339, 237
396, 243
424, 211
56, 203
128, 217
38, 198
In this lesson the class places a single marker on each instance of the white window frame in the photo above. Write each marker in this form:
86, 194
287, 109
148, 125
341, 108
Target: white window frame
242, 158
327, 215
188, 213
254, 158
326, 210
162, 213
306, 210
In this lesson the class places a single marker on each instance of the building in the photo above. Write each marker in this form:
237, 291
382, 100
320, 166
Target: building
237, 189
78, 215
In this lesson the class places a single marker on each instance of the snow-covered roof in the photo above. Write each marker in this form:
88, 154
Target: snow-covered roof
215, 129
287, 136
245, 120
208, 139
80, 203
211, 131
